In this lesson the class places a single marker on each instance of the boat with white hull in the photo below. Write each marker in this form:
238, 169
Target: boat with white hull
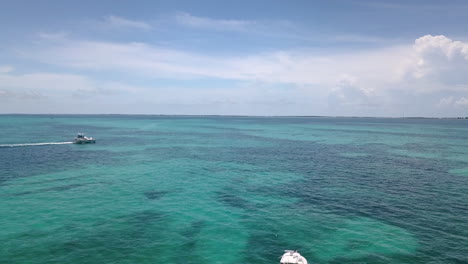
82, 139
292, 257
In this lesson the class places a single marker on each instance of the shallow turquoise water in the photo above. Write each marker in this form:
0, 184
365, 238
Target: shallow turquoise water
233, 190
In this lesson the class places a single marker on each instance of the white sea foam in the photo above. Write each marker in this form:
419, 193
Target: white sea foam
33, 144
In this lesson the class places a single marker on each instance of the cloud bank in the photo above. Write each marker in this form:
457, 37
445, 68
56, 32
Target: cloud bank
394, 80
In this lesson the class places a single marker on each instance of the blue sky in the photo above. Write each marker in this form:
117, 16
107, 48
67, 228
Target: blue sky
351, 58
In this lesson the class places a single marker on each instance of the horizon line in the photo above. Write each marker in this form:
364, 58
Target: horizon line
222, 115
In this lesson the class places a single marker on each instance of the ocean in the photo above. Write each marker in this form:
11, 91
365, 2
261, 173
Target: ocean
196, 189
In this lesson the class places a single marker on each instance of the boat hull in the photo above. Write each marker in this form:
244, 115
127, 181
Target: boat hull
84, 141
292, 257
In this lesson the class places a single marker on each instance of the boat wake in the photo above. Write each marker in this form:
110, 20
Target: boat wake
33, 144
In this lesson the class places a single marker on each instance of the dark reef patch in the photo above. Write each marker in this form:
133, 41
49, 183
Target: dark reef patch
121, 240
230, 199
57, 189
154, 195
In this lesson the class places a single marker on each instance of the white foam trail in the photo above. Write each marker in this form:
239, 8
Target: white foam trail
33, 144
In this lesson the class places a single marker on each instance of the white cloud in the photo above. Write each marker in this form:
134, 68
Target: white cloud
41, 84
22, 95
6, 69
437, 62
452, 101
445, 102
45, 81
462, 102
432, 63
351, 82
187, 19
296, 66
276, 29
120, 22
53, 36
133, 59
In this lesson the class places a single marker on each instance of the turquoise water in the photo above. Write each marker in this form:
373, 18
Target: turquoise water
233, 190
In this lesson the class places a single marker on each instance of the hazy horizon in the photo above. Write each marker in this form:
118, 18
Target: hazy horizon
228, 115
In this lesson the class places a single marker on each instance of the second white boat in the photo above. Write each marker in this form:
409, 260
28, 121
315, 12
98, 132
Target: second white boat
292, 257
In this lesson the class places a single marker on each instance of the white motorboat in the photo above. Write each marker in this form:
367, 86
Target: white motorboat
82, 139
292, 257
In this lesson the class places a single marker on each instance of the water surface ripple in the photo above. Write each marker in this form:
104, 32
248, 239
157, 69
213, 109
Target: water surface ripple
159, 189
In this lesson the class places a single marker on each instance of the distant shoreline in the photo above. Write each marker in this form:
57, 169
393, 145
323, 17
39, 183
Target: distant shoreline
266, 116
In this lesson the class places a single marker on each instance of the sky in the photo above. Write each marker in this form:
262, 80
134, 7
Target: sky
268, 58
